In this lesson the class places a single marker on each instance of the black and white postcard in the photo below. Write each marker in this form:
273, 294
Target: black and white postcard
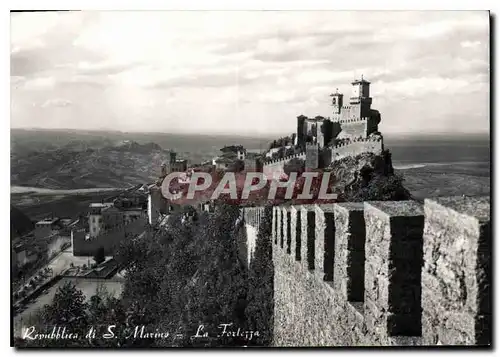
242, 179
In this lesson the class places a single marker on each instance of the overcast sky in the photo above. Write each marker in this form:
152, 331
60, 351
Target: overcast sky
246, 72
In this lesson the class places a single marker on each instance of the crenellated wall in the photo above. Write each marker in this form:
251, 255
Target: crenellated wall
354, 127
382, 273
356, 147
252, 217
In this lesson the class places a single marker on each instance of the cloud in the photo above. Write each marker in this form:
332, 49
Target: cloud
39, 83
57, 102
246, 71
467, 44
202, 78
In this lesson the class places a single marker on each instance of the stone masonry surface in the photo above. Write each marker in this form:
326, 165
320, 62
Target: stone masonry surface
382, 273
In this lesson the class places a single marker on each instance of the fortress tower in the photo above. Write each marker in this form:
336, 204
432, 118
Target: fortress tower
352, 129
171, 165
359, 105
357, 119
337, 101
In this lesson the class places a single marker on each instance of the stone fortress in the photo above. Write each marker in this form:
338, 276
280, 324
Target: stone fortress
351, 130
379, 273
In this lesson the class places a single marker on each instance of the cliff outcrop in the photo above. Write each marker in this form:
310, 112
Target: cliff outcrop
367, 177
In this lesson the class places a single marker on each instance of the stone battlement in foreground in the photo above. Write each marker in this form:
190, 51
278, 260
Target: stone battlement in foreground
381, 273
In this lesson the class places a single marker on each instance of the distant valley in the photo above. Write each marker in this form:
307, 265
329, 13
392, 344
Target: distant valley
77, 160
65, 168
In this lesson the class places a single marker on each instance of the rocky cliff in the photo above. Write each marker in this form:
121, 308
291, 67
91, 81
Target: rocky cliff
367, 177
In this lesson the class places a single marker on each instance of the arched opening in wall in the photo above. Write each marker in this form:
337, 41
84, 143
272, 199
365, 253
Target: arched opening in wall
288, 231
298, 232
311, 223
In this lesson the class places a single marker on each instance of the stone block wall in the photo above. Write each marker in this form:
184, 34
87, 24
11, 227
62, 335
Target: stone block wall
456, 277
274, 169
354, 148
247, 238
312, 157
383, 273
393, 262
349, 258
355, 127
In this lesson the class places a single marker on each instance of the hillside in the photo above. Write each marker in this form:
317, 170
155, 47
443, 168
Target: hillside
19, 223
72, 166
69, 159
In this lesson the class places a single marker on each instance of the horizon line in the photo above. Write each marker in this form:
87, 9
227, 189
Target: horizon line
249, 135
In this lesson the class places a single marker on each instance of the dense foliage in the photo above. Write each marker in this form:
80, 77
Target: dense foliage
284, 141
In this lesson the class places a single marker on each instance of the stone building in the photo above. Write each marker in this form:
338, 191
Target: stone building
46, 227
353, 120
351, 130
108, 216
95, 217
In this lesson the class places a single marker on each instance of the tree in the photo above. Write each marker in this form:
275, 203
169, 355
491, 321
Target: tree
67, 310
99, 256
